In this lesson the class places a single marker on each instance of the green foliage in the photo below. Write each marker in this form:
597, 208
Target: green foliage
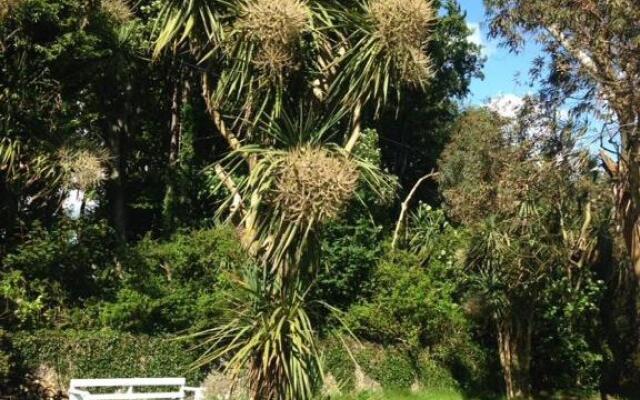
403, 395
169, 286
392, 368
534, 237
58, 268
433, 375
340, 363
104, 354
7, 358
268, 332
75, 74
351, 251
568, 336
412, 304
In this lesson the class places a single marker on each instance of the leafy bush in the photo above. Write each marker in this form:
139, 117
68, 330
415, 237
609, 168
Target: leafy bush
392, 368
174, 285
411, 306
58, 268
350, 253
433, 375
6, 359
339, 363
415, 302
566, 347
104, 354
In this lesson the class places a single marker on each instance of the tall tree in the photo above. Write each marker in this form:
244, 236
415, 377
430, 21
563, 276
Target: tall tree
528, 201
329, 65
594, 49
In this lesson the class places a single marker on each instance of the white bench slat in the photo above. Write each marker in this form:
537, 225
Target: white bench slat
137, 396
80, 383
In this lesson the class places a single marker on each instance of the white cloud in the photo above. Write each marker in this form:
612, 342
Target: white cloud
506, 105
476, 37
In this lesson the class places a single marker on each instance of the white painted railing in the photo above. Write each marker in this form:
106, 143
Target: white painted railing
129, 389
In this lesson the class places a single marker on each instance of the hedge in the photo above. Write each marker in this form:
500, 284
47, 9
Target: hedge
392, 367
104, 354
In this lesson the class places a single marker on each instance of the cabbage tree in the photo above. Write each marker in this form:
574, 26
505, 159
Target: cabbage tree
288, 85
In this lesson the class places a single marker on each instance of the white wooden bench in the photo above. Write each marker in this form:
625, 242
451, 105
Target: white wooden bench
129, 389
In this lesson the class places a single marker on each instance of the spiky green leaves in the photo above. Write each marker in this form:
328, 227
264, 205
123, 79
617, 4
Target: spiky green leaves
269, 335
386, 52
200, 21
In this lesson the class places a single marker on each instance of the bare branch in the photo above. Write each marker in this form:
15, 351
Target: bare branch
357, 128
405, 206
216, 116
609, 165
225, 178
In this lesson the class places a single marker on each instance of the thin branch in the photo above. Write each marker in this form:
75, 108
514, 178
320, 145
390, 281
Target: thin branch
216, 116
585, 60
225, 178
357, 128
405, 206
610, 166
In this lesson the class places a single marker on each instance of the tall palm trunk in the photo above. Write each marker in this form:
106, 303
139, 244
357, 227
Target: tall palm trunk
514, 347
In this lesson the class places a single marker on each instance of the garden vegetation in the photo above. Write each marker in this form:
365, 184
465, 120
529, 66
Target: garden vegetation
289, 196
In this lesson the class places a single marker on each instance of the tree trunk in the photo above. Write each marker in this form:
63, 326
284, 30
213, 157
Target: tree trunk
116, 130
175, 129
116, 187
514, 346
625, 175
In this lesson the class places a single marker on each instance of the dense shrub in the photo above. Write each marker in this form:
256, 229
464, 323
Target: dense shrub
350, 254
433, 375
58, 268
6, 359
104, 354
173, 285
391, 367
413, 307
338, 361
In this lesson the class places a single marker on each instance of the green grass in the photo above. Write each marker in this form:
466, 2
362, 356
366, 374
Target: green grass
444, 394
425, 395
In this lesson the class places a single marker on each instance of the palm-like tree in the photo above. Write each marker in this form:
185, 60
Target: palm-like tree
288, 172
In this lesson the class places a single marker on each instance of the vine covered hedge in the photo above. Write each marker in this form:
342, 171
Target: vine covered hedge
103, 354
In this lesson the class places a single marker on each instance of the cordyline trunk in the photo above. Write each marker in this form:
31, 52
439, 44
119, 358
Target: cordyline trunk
514, 346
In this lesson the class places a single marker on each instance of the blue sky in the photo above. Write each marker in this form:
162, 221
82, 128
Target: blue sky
506, 74
506, 78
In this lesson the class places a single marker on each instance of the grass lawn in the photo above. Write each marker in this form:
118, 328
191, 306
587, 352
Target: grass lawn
449, 395
428, 395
